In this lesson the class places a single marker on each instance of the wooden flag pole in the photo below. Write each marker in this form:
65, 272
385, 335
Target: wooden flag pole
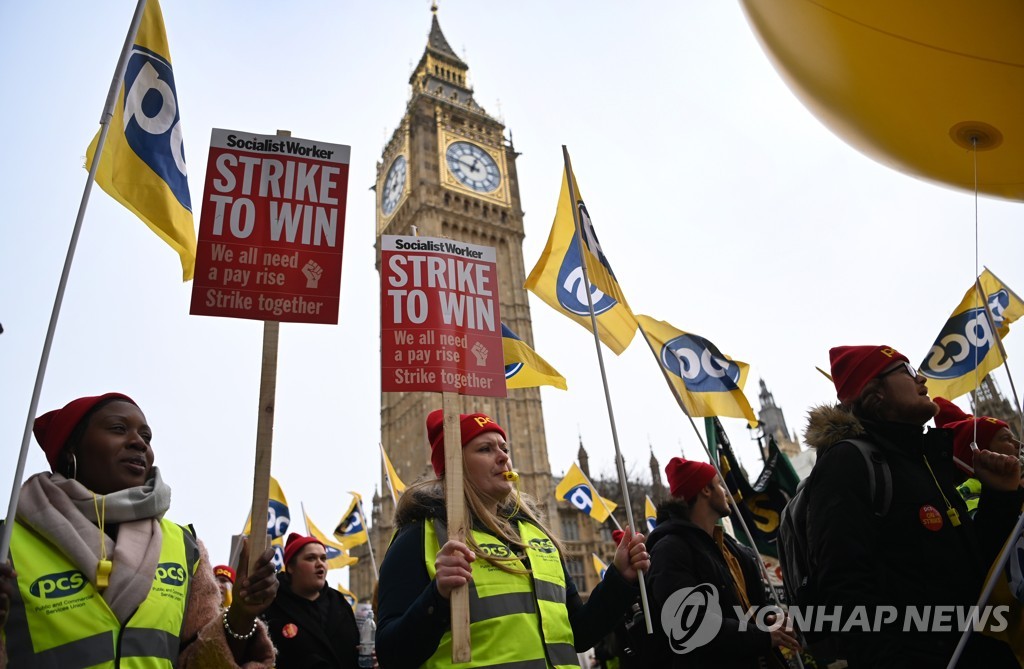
455, 500
264, 443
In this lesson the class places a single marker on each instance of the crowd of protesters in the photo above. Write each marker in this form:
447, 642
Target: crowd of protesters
136, 590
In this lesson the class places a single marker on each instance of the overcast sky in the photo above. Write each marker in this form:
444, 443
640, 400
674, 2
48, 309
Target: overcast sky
724, 207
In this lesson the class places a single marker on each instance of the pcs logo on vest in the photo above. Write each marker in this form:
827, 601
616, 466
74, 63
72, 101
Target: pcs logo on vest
55, 586
170, 573
542, 545
495, 550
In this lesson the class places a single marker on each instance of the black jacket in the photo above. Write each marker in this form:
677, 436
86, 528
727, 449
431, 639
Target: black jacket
913, 555
414, 616
684, 555
318, 634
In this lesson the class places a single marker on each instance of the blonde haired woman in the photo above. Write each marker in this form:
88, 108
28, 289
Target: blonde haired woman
525, 609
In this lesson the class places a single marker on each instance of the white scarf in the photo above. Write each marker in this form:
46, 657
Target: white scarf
63, 512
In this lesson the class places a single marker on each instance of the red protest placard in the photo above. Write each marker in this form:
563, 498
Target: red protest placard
440, 326
271, 229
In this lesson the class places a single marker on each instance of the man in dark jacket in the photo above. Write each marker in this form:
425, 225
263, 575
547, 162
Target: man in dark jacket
925, 550
310, 623
689, 550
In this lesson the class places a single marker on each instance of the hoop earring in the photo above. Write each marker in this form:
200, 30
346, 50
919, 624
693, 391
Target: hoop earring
72, 467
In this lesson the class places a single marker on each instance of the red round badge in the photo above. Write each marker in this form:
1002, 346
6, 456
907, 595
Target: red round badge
289, 631
930, 517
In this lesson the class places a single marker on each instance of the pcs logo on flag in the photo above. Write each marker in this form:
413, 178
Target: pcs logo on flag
699, 363
278, 519
152, 125
570, 287
953, 353
580, 497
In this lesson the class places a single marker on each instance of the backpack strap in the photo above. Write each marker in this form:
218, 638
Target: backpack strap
879, 475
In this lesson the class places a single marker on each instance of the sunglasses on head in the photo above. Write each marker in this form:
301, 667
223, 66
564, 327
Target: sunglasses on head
902, 367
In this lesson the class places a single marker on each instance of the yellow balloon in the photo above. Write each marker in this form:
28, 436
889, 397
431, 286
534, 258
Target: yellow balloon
913, 84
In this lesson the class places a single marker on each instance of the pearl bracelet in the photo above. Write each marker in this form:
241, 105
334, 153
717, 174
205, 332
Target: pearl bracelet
231, 633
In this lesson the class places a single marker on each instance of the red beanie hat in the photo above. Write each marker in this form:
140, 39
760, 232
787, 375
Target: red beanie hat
687, 477
617, 536
295, 543
471, 424
225, 571
854, 366
53, 428
952, 417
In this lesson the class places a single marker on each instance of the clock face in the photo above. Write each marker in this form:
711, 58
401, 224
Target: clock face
393, 185
473, 166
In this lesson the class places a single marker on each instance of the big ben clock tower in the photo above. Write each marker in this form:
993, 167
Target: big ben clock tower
448, 171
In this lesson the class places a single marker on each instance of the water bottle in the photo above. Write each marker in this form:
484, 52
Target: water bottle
366, 642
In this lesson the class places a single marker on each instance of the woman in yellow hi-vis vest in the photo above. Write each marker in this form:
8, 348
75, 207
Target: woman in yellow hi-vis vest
524, 608
98, 578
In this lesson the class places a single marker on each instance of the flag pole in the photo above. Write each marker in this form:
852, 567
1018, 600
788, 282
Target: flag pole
994, 575
33, 406
369, 541
387, 477
999, 343
620, 463
605, 506
714, 463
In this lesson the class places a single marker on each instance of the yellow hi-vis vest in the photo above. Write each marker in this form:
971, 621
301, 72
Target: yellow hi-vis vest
970, 490
58, 620
515, 620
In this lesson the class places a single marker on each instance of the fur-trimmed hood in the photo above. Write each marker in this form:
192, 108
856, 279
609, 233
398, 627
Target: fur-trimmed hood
423, 502
829, 424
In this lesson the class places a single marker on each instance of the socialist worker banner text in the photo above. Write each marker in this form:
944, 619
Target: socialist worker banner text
271, 229
440, 326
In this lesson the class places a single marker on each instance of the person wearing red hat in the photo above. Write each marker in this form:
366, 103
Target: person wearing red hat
97, 575
989, 434
311, 623
225, 577
689, 549
525, 608
912, 543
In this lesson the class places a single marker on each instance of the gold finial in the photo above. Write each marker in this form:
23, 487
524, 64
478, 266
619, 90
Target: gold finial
433, 7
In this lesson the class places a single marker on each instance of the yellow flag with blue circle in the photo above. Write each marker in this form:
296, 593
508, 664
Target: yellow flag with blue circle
279, 519
337, 555
650, 514
351, 529
143, 161
523, 367
967, 347
577, 489
557, 278
599, 566
708, 382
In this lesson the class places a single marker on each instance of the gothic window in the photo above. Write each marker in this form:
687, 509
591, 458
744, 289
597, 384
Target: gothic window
570, 528
575, 569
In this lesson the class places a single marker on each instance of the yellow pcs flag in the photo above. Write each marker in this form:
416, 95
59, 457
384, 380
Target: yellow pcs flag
577, 489
395, 483
523, 367
351, 529
599, 566
348, 595
143, 161
279, 518
950, 365
337, 555
650, 514
557, 278
708, 382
